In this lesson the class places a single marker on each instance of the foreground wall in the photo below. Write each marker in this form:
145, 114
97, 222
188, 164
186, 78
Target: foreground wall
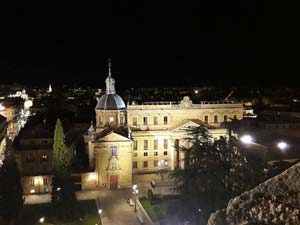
275, 201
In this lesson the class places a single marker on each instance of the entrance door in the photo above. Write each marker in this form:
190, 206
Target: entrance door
113, 182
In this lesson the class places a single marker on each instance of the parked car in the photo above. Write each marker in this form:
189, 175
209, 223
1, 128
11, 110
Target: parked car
130, 202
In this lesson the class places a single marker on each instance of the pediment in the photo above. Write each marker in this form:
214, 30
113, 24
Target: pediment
112, 136
186, 125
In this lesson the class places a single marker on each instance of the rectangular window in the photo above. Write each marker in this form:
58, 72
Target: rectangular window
135, 154
206, 119
155, 144
165, 143
29, 158
165, 152
145, 153
145, 144
145, 164
45, 180
225, 118
113, 150
32, 182
145, 121
134, 165
155, 153
44, 157
165, 120
155, 120
134, 121
215, 119
122, 120
135, 145
111, 119
176, 144
155, 163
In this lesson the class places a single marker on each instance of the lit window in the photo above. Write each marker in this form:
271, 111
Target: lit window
155, 120
134, 165
165, 120
165, 152
215, 119
113, 150
134, 121
145, 144
44, 157
145, 164
155, 153
145, 120
165, 143
111, 119
155, 162
135, 145
155, 146
145, 153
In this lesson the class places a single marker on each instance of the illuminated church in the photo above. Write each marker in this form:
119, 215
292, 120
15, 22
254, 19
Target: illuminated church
130, 138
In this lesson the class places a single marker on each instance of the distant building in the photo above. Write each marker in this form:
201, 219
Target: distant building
3, 133
145, 138
33, 150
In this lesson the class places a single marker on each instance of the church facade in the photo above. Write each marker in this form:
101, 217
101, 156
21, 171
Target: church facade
133, 138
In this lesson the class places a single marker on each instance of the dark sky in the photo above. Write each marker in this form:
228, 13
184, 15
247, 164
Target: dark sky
152, 43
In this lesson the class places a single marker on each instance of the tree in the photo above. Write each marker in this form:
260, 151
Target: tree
63, 196
215, 172
61, 160
233, 126
11, 191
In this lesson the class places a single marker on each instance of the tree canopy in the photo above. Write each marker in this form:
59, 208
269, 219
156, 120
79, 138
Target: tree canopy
215, 171
11, 191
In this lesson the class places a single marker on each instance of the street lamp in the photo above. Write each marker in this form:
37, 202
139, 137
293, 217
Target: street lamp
99, 211
135, 192
246, 139
42, 219
282, 145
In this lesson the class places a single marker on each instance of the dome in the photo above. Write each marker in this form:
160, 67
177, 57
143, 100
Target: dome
110, 102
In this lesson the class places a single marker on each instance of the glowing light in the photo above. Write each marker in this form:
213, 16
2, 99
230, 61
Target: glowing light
246, 139
2, 108
92, 177
42, 219
32, 191
100, 211
282, 145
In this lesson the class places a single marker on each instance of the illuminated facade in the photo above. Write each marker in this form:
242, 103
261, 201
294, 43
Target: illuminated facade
145, 138
3, 132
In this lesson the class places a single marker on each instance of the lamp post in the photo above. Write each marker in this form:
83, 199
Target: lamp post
135, 192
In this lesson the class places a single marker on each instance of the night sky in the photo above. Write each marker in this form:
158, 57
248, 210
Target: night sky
152, 43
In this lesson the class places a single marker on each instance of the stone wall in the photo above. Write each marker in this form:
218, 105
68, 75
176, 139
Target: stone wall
276, 201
